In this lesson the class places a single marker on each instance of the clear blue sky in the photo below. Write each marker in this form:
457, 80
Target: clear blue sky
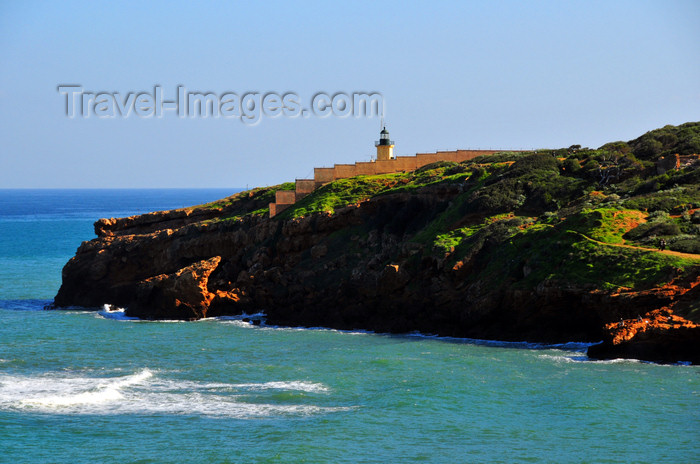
500, 74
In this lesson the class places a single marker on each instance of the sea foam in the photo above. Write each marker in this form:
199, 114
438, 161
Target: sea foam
583, 358
111, 312
72, 390
146, 393
308, 387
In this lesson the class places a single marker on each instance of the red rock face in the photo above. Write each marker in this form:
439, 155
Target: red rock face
658, 335
317, 271
653, 322
181, 295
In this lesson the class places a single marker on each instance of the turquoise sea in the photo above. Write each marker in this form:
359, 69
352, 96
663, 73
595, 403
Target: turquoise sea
95, 387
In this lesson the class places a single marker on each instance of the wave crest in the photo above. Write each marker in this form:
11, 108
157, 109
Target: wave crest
147, 393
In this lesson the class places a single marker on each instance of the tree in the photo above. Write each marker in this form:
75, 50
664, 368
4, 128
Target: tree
608, 169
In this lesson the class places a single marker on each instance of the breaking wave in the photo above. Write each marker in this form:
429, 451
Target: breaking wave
147, 393
586, 359
111, 312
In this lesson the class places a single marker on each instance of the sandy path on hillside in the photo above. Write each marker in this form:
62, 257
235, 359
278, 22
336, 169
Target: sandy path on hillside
655, 250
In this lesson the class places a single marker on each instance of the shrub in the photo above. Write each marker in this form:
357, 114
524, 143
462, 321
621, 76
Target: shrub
571, 166
498, 157
501, 197
658, 216
686, 245
620, 147
653, 229
534, 162
683, 139
545, 191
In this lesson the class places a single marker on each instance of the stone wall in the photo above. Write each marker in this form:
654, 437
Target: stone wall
322, 176
398, 164
304, 187
285, 197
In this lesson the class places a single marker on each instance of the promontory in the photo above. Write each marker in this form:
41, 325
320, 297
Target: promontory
552, 246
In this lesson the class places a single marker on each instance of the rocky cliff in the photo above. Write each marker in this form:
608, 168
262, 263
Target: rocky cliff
512, 247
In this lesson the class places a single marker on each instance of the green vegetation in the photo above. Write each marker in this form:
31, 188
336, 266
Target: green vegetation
683, 139
447, 242
674, 200
341, 193
345, 192
605, 224
260, 194
575, 214
249, 203
579, 215
560, 254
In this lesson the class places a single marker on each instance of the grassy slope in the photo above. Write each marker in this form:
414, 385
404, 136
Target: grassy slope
344, 192
527, 217
541, 209
248, 203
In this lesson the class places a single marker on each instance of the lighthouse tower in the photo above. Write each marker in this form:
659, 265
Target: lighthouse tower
385, 147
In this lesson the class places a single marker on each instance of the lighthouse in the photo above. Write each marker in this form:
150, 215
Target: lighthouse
385, 146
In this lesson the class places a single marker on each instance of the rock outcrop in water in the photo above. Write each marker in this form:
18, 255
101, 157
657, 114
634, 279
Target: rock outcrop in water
519, 246
658, 336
